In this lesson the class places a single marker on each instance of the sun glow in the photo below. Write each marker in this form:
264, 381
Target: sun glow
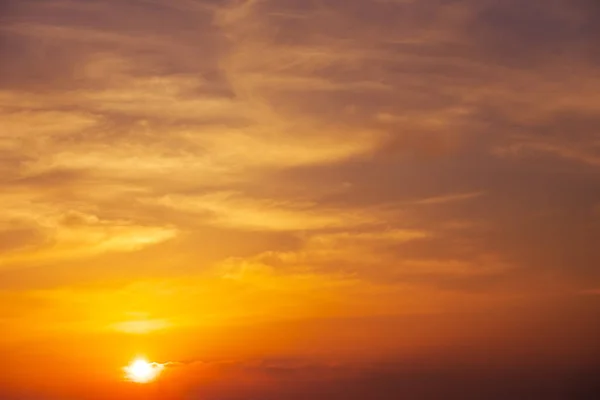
142, 371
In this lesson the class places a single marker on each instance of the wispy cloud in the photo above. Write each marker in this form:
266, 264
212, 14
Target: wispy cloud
449, 198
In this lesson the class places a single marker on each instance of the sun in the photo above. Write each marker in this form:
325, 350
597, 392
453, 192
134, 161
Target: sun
142, 371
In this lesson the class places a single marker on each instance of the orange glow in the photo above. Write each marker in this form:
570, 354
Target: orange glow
285, 199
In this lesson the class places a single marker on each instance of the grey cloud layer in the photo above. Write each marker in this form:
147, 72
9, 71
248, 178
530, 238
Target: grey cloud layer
318, 116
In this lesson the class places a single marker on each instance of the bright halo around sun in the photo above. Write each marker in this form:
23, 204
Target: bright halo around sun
142, 371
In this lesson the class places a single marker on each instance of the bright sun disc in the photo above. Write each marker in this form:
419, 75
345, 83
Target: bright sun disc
141, 371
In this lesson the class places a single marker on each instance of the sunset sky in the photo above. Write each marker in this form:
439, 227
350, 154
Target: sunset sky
300, 199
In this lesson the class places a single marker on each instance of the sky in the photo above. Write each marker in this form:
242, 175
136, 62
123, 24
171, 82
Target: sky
300, 199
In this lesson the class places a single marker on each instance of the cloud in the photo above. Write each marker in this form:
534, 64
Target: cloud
227, 100
566, 151
75, 234
449, 198
45, 124
232, 210
141, 327
384, 257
